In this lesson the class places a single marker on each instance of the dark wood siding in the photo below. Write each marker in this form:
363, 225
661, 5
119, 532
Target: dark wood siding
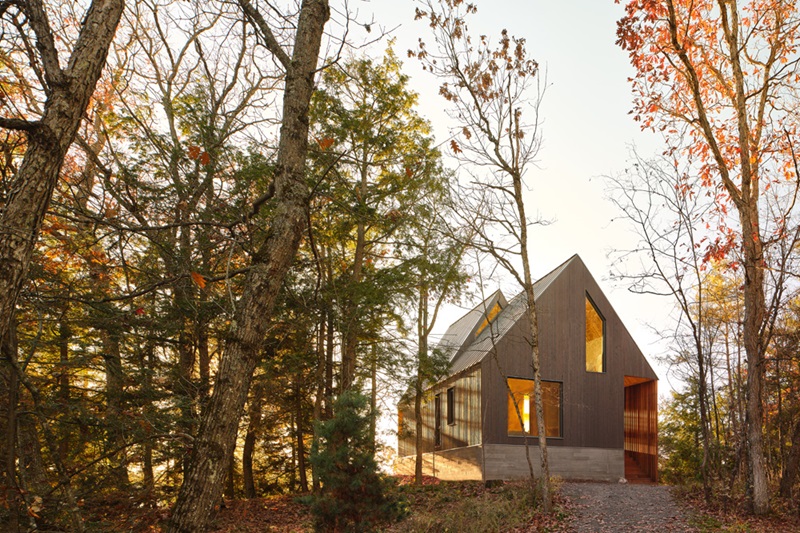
593, 403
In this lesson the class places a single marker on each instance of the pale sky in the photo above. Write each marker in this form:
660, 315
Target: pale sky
586, 131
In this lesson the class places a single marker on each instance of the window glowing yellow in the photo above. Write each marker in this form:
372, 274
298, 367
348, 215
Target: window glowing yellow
526, 413
522, 393
492, 313
595, 343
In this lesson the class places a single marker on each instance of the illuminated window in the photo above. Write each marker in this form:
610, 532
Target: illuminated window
489, 317
521, 398
595, 339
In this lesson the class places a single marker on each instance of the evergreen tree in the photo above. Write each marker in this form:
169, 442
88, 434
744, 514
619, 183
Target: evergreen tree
355, 496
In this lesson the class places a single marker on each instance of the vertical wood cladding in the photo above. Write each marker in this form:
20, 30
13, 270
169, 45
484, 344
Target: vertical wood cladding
593, 403
641, 425
466, 427
593, 414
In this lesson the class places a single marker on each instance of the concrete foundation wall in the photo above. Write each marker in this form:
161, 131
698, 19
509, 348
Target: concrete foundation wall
452, 465
505, 461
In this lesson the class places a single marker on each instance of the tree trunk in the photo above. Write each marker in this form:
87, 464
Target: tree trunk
547, 490
419, 382
320, 387
253, 429
373, 400
790, 469
63, 384
351, 312
115, 430
204, 362
146, 368
11, 496
33, 477
702, 396
753, 344
215, 440
300, 438
328, 412
230, 486
183, 388
67, 95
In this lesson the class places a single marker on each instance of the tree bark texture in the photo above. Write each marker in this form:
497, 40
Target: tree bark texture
68, 92
9, 393
217, 435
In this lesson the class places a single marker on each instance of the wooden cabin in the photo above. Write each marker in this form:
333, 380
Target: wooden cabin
600, 395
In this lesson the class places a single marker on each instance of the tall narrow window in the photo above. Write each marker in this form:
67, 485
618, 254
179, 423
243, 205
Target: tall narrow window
437, 422
595, 339
451, 406
522, 409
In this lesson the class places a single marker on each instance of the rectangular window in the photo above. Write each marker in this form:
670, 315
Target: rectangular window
451, 406
437, 420
595, 338
521, 401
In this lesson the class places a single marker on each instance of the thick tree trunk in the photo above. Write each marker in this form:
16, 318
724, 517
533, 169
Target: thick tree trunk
215, 440
754, 311
68, 94
12, 493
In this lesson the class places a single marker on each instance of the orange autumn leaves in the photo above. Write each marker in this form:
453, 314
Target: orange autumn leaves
719, 80
196, 153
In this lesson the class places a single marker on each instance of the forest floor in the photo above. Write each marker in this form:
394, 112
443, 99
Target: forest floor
470, 506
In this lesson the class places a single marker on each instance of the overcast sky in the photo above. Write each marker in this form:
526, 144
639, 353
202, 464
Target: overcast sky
587, 133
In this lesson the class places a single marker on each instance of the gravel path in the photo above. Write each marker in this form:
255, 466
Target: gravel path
616, 507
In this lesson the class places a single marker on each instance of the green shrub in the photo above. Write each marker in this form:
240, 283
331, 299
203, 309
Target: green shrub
355, 496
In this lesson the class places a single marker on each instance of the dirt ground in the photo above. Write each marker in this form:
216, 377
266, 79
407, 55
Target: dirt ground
614, 507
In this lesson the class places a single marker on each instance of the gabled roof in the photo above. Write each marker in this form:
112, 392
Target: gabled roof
462, 332
473, 348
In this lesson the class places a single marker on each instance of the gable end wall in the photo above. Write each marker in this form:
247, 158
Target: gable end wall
593, 403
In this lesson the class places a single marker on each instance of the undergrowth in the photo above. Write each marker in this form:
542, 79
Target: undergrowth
468, 506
